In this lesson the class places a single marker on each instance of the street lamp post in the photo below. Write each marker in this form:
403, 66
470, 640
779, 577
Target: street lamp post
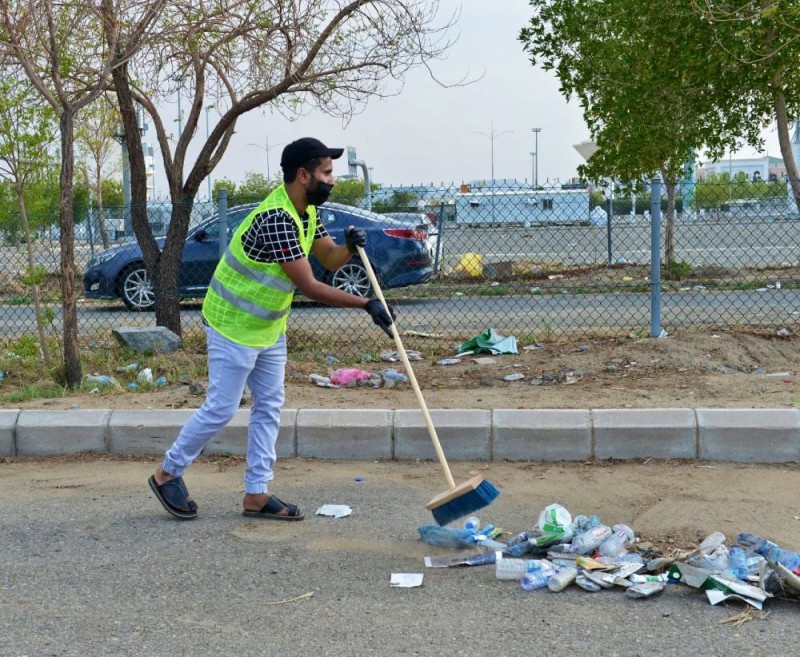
491, 136
208, 178
533, 169
179, 79
535, 154
266, 148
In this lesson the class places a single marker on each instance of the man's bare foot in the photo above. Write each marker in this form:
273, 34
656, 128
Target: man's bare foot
161, 475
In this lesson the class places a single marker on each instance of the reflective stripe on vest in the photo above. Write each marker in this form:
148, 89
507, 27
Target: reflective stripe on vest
263, 278
248, 306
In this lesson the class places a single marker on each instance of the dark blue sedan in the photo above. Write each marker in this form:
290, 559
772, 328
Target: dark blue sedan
397, 253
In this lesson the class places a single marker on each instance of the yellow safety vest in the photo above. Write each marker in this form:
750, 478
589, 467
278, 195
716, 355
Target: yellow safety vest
247, 301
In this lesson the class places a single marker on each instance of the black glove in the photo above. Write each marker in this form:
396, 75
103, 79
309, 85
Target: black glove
378, 313
354, 237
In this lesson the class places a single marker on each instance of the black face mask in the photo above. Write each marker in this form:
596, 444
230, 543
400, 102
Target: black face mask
319, 194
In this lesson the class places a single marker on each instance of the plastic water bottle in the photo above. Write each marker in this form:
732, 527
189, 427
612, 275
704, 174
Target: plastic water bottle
771, 551
718, 561
711, 543
100, 380
518, 538
615, 544
534, 580
517, 568
755, 563
518, 549
562, 579
590, 540
473, 523
587, 584
738, 562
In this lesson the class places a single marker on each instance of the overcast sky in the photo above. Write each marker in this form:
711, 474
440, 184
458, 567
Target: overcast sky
427, 133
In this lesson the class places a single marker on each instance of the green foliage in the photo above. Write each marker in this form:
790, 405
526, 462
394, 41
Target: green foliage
398, 202
348, 192
112, 193
678, 270
651, 88
34, 276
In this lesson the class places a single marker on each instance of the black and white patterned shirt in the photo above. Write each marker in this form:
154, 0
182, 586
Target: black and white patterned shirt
273, 237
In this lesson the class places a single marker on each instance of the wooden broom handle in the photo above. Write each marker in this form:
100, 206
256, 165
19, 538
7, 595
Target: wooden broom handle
413, 379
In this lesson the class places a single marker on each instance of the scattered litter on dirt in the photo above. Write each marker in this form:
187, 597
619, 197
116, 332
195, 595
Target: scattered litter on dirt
406, 580
334, 510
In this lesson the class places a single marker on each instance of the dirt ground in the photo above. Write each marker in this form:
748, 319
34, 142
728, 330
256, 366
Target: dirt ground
688, 369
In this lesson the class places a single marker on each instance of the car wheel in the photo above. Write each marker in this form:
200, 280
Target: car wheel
136, 289
352, 278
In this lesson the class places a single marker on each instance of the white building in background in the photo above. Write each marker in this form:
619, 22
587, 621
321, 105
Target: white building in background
754, 168
150, 168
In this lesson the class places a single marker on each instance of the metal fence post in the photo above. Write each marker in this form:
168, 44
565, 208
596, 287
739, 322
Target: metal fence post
222, 221
655, 257
440, 235
609, 214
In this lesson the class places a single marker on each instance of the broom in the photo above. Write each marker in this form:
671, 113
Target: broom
459, 500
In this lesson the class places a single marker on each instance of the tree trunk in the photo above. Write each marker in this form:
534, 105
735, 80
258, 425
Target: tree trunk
101, 219
141, 226
777, 84
69, 306
37, 302
168, 308
669, 221
785, 141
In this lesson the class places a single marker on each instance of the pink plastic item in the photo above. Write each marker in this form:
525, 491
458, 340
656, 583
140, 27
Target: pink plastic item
345, 375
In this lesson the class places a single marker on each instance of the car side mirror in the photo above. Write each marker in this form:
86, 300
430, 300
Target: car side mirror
200, 235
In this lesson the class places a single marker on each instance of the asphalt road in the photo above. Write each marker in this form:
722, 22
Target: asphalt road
521, 314
91, 565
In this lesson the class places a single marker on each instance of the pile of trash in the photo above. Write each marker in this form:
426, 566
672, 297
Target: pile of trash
562, 551
351, 377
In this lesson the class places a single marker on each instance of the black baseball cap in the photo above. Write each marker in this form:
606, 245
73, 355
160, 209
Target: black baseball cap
302, 150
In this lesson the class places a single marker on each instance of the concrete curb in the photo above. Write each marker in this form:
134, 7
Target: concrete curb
737, 435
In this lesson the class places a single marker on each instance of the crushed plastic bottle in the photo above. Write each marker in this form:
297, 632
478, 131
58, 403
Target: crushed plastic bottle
589, 540
711, 543
562, 579
535, 580
615, 544
770, 551
517, 568
160, 381
738, 562
321, 381
99, 379
586, 584
718, 561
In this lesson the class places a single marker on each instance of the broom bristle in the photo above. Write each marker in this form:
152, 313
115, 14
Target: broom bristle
479, 495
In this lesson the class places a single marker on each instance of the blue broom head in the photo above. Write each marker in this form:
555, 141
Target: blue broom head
479, 497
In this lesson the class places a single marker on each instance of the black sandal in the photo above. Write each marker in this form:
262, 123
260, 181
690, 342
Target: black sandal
174, 497
271, 511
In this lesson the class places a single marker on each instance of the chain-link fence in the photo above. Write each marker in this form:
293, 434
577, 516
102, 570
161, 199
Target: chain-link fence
537, 263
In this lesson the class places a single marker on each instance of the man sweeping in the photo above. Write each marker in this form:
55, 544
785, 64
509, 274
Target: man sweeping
245, 313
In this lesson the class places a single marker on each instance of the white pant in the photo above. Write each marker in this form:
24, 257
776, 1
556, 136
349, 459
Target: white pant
230, 366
